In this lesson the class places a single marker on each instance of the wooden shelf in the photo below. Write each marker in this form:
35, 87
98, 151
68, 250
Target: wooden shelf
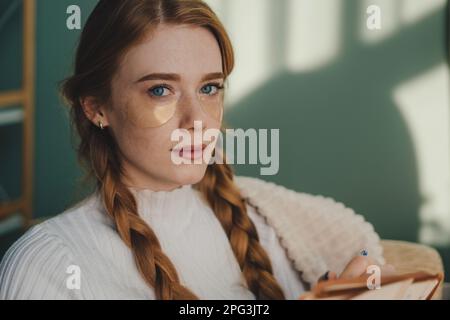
10, 98
25, 113
10, 207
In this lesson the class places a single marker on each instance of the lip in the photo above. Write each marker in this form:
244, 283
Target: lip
190, 152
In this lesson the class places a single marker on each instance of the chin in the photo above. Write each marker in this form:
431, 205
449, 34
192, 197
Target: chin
189, 174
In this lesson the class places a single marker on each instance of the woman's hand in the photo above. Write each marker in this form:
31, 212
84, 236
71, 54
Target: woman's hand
358, 267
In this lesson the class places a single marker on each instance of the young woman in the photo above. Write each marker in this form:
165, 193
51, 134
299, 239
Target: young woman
154, 229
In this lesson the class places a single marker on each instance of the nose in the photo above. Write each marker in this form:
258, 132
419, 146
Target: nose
191, 111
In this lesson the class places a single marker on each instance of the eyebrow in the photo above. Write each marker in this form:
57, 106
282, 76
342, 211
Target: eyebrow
176, 77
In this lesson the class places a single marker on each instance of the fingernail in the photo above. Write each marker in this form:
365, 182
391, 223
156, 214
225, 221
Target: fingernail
325, 276
364, 252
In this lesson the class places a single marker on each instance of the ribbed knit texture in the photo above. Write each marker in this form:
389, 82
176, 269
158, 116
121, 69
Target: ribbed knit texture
36, 266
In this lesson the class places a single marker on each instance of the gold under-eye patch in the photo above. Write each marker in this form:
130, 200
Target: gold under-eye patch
213, 105
150, 112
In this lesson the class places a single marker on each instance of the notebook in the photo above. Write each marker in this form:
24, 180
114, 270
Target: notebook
410, 286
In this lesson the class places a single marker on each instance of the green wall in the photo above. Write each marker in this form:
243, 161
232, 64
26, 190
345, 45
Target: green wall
56, 166
341, 134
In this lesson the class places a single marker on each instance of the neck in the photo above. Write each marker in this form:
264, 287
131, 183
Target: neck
135, 178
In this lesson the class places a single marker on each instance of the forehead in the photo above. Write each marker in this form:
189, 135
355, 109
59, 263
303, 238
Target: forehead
190, 51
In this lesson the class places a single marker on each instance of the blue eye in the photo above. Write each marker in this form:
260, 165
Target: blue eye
211, 89
158, 91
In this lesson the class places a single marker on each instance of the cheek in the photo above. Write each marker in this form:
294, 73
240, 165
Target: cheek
143, 143
137, 143
127, 133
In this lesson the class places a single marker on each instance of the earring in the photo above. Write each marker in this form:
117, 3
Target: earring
100, 124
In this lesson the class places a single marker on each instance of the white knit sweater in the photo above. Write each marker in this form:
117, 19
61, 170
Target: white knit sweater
303, 235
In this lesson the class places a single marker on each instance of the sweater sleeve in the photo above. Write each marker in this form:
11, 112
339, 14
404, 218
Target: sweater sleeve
36, 267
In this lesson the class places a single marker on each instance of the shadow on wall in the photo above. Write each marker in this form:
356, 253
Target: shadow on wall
341, 134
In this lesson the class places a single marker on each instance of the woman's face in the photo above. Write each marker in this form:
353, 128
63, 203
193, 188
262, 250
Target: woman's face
165, 84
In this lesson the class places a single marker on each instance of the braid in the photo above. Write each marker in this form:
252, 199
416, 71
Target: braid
224, 198
120, 204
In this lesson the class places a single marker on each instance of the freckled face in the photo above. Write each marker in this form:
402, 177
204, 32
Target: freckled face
171, 79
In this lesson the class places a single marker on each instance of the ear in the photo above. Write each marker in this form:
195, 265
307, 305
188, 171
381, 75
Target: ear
94, 111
